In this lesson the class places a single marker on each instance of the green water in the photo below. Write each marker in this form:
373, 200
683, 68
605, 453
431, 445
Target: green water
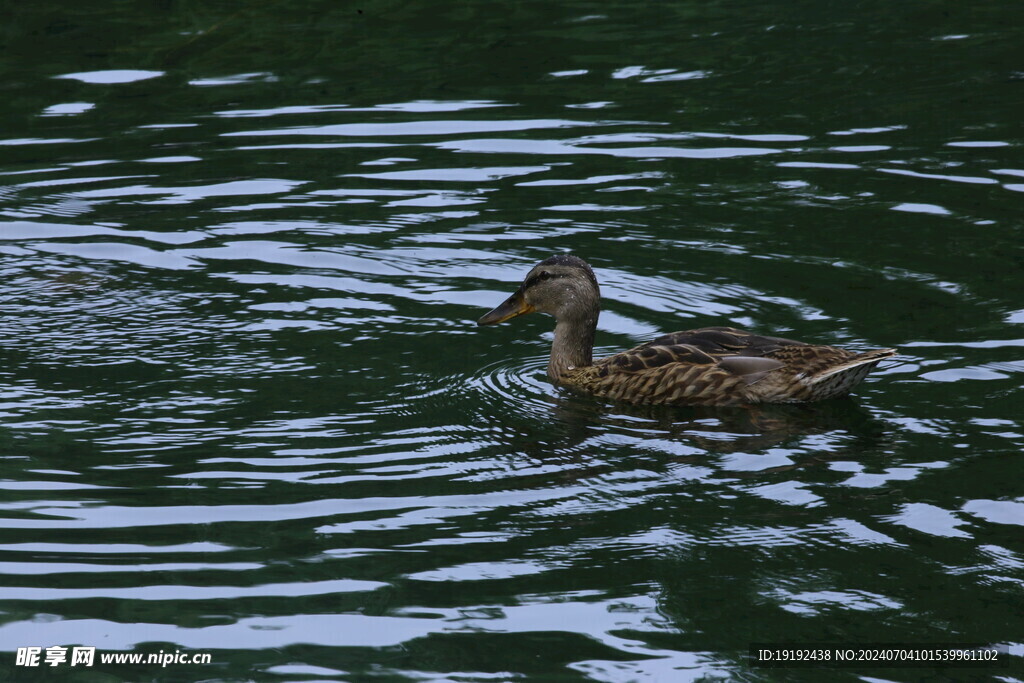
246, 410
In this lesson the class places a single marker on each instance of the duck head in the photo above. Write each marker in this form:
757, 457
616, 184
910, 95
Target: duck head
563, 286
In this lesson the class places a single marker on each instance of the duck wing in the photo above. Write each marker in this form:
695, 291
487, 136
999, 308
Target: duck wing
709, 365
737, 351
723, 341
725, 365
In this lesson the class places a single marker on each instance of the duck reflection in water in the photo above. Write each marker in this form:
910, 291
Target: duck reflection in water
714, 429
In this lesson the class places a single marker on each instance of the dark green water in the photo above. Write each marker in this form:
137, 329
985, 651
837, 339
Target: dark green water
245, 409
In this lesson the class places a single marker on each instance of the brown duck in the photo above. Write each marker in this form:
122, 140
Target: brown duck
707, 366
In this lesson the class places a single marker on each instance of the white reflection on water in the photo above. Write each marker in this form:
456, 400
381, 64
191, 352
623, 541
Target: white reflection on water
186, 592
815, 602
186, 194
416, 106
930, 519
911, 207
997, 511
68, 109
433, 128
565, 147
112, 76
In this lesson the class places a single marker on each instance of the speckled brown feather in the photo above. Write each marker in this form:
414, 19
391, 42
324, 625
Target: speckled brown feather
684, 368
710, 366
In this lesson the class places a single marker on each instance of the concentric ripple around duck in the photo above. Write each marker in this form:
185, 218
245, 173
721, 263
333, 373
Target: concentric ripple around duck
517, 385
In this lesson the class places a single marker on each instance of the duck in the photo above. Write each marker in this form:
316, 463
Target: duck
710, 366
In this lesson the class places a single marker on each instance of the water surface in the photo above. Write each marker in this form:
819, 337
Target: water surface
245, 409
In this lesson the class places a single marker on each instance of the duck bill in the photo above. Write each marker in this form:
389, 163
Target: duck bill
510, 308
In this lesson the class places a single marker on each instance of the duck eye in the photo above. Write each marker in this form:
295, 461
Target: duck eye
544, 275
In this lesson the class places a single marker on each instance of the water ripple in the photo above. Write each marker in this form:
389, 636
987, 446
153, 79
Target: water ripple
245, 407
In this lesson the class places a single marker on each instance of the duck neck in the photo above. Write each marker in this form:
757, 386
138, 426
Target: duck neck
574, 342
